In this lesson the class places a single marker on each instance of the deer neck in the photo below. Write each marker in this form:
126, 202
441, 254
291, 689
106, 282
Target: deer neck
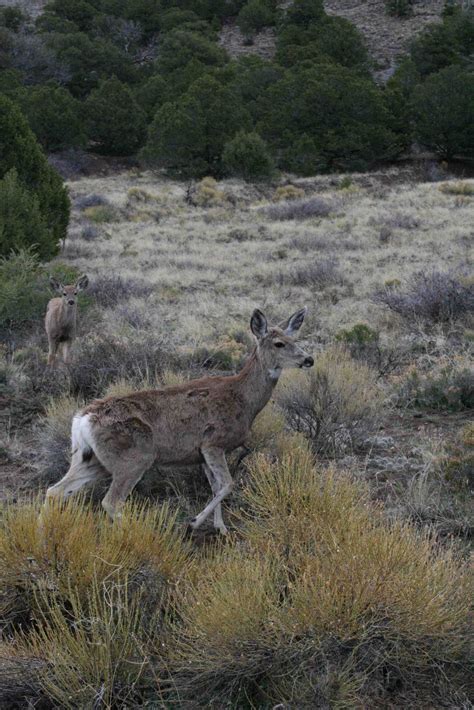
68, 314
256, 382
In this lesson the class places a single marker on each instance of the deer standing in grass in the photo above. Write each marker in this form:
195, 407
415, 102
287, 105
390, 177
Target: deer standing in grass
61, 316
196, 422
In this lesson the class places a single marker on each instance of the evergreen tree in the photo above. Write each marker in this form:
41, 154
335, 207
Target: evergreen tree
114, 120
247, 156
444, 112
21, 222
187, 137
54, 116
19, 150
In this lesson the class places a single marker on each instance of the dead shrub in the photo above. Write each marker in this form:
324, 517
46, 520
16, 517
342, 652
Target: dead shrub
336, 405
430, 296
288, 192
317, 274
299, 209
463, 189
83, 202
110, 289
101, 359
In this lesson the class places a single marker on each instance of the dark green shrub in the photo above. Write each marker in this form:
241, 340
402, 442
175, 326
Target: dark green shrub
337, 121
444, 112
252, 76
180, 47
12, 17
304, 12
188, 137
440, 45
330, 39
80, 12
23, 291
19, 150
399, 8
114, 120
247, 156
21, 222
90, 60
151, 94
54, 116
256, 15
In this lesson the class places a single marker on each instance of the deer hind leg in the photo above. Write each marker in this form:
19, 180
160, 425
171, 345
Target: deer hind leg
85, 469
215, 459
65, 349
215, 486
123, 484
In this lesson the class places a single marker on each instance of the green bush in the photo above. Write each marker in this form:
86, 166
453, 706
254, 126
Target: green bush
19, 150
255, 15
89, 60
180, 47
399, 8
151, 94
187, 138
444, 112
114, 120
338, 120
440, 45
12, 18
23, 292
21, 222
54, 117
247, 156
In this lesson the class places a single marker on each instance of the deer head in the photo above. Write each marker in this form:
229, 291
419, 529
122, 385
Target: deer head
276, 345
69, 293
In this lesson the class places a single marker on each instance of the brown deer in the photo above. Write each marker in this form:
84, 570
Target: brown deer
196, 422
60, 319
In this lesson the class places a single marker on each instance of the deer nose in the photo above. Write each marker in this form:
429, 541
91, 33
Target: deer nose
309, 361
71, 303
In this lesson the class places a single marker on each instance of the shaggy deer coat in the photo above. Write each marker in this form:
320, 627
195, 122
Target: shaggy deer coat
197, 422
61, 317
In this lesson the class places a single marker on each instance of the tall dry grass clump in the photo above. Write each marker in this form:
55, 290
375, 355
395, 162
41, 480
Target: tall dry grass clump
336, 404
85, 601
72, 546
323, 603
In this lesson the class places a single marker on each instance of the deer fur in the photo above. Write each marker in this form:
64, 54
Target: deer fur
196, 422
61, 316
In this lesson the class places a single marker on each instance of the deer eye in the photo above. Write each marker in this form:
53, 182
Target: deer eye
64, 293
75, 293
279, 344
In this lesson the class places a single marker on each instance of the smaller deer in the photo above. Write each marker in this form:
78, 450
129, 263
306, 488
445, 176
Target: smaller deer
60, 320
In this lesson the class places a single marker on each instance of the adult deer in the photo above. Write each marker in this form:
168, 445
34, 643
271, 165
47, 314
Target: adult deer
61, 315
197, 422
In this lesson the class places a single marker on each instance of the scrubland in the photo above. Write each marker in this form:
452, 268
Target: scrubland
345, 579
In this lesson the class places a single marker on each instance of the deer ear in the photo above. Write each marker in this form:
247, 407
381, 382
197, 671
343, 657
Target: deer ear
258, 324
294, 322
54, 284
82, 283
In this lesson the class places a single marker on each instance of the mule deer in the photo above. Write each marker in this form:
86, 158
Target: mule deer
196, 422
60, 320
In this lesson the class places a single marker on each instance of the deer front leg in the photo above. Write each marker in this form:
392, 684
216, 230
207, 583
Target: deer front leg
215, 459
215, 486
53, 349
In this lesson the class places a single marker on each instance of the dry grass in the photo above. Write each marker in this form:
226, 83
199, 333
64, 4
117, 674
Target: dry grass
320, 577
336, 404
73, 545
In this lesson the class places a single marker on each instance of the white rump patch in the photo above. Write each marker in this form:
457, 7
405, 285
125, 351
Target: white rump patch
81, 434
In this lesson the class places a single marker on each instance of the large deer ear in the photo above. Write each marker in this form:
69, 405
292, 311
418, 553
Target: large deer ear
55, 284
258, 324
294, 322
82, 283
